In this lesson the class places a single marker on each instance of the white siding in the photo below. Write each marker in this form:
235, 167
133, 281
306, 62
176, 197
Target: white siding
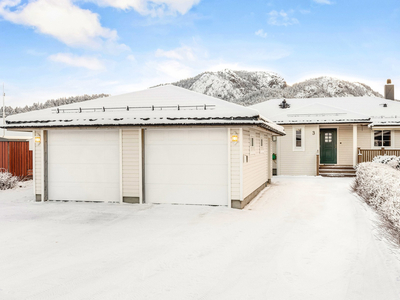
397, 139
235, 166
363, 137
37, 160
345, 145
298, 162
274, 149
269, 157
131, 162
255, 171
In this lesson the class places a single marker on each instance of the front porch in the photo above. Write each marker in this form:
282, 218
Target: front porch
367, 155
341, 148
311, 149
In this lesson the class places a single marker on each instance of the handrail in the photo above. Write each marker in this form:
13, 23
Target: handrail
367, 155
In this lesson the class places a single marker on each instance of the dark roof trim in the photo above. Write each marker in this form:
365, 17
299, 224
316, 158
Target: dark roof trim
327, 123
262, 125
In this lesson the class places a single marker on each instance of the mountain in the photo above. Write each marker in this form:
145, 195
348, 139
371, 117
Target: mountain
248, 88
230, 85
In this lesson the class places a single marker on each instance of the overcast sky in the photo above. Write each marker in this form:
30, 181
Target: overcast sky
56, 48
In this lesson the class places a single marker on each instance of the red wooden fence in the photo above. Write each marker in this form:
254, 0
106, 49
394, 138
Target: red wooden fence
16, 158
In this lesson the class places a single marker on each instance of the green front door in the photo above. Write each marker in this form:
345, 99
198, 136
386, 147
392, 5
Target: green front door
328, 146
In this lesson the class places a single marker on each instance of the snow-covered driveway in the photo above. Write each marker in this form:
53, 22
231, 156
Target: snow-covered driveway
304, 238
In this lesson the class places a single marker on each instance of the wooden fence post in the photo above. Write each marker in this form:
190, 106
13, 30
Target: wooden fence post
359, 155
317, 164
383, 151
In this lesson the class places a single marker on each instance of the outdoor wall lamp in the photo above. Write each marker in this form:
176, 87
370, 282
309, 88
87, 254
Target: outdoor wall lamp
234, 138
274, 138
37, 139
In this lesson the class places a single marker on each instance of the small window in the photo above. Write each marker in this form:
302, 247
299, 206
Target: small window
382, 138
262, 148
252, 143
298, 138
328, 137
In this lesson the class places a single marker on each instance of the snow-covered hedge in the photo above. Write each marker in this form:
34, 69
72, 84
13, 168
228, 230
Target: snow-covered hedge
379, 186
392, 161
7, 181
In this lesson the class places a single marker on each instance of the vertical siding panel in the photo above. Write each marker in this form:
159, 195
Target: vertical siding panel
131, 162
255, 170
345, 145
38, 165
235, 166
363, 137
397, 139
298, 162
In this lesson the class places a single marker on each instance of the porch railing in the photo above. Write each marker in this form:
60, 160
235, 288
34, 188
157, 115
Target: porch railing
367, 155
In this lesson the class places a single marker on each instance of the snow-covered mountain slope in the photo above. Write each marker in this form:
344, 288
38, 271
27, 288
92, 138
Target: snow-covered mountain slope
248, 88
231, 85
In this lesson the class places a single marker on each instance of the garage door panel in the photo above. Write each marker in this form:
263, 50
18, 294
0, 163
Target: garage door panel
193, 154
186, 175
84, 165
186, 166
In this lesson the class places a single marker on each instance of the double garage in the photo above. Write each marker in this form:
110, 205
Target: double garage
184, 166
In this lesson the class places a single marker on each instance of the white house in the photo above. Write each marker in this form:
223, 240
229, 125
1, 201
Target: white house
161, 145
329, 136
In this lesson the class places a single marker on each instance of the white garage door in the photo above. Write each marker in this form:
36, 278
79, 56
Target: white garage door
186, 166
83, 165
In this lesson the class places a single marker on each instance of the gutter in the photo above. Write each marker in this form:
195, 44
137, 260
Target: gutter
262, 125
325, 123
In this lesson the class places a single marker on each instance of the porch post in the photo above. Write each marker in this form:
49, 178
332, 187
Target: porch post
355, 152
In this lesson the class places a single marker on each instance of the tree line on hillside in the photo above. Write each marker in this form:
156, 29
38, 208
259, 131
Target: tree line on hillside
321, 87
50, 103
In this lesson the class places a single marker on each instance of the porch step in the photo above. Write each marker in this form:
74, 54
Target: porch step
336, 167
337, 175
337, 171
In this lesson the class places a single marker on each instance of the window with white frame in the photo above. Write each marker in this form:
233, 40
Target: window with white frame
262, 142
382, 138
298, 139
252, 143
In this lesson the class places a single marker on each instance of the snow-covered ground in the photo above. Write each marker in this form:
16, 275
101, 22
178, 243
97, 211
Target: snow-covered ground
303, 238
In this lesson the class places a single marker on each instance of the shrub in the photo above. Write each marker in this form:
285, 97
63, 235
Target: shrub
392, 161
7, 181
379, 186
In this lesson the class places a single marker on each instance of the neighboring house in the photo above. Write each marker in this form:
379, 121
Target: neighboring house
329, 136
16, 152
161, 145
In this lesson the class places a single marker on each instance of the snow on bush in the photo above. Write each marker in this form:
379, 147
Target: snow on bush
379, 186
7, 181
392, 161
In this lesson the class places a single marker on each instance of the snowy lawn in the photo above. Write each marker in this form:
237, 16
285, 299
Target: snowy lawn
304, 238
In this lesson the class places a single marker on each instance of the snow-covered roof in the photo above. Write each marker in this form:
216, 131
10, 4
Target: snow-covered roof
7, 135
163, 105
372, 110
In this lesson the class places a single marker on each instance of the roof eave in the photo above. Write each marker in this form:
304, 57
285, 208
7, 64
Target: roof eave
324, 123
